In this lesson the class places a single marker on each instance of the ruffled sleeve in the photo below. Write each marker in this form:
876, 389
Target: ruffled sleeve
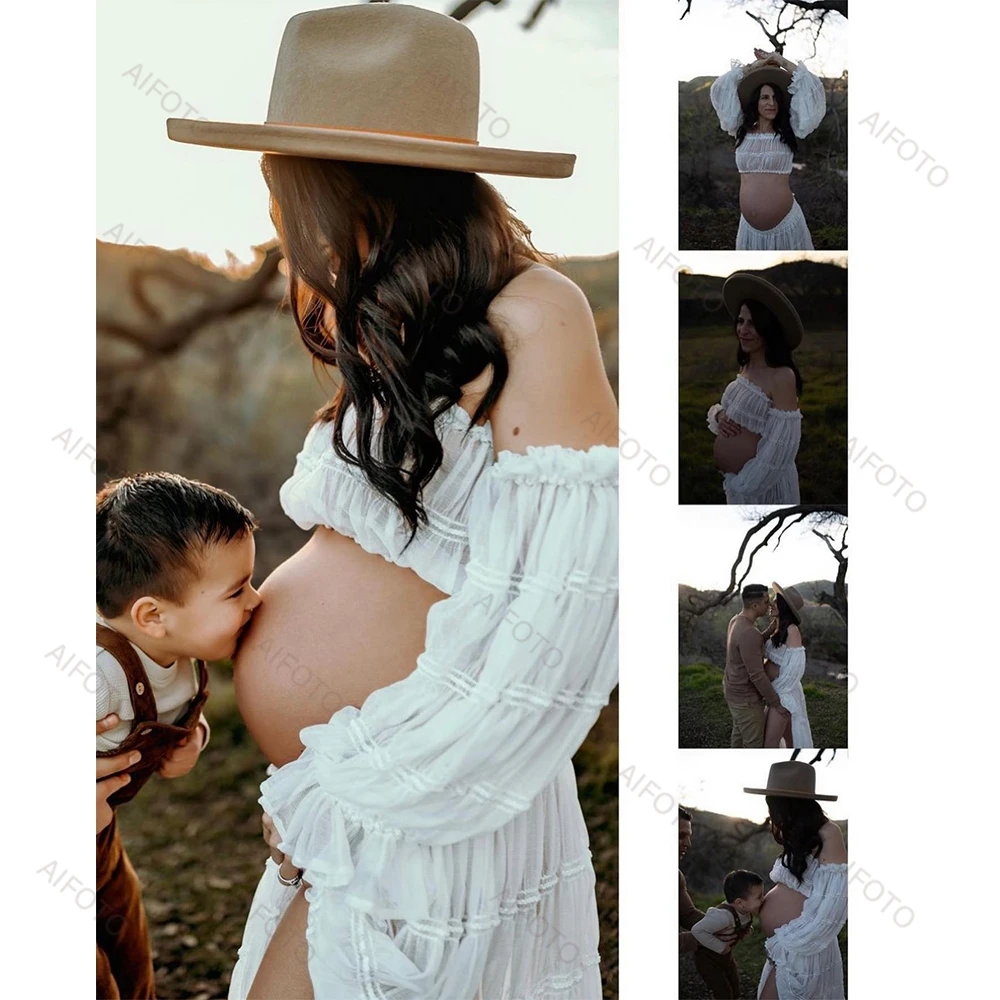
517, 664
808, 101
713, 417
776, 451
810, 933
726, 100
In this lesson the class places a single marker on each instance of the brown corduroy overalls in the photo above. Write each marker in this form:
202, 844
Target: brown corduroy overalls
719, 971
124, 958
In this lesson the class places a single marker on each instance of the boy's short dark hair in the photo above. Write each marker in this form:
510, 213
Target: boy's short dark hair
753, 592
683, 814
739, 883
153, 530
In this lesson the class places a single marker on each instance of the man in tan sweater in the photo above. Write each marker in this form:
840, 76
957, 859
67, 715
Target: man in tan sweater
705, 961
745, 683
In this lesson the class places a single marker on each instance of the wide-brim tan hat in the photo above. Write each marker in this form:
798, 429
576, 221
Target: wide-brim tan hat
376, 83
741, 286
793, 598
774, 75
791, 779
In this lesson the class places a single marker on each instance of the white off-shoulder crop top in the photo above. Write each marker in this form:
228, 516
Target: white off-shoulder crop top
764, 152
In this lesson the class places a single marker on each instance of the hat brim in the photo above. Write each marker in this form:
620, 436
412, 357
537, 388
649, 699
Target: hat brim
371, 147
787, 794
774, 75
739, 287
791, 607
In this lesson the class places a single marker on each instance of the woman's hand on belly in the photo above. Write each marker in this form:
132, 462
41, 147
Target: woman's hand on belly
732, 453
780, 906
765, 199
335, 624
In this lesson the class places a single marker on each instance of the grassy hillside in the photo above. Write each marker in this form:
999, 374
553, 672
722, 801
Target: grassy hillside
705, 722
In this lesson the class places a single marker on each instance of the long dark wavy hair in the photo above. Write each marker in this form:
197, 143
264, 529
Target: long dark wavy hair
777, 353
795, 825
785, 618
390, 272
782, 121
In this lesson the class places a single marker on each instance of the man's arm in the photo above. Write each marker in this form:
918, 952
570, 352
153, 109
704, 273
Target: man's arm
689, 916
751, 643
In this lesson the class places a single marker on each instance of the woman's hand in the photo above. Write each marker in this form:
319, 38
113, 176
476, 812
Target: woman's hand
766, 58
727, 427
108, 778
271, 838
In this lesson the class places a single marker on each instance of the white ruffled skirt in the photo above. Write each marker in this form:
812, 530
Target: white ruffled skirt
784, 489
509, 915
791, 233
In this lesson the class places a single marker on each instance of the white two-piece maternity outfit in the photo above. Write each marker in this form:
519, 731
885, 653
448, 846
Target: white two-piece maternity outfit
439, 826
791, 662
804, 952
770, 476
766, 153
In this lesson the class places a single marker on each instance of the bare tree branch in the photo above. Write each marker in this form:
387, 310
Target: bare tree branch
160, 337
462, 10
536, 13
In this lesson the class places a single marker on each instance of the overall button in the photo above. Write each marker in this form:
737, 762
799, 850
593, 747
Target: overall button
140, 688
145, 731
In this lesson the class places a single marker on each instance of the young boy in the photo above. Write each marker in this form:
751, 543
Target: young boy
174, 563
744, 893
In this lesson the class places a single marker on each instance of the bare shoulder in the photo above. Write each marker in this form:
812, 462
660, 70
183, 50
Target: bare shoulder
784, 393
794, 636
557, 390
834, 850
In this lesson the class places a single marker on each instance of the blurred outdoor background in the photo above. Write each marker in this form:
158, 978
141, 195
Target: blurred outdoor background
812, 558
729, 831
816, 284
200, 369
713, 33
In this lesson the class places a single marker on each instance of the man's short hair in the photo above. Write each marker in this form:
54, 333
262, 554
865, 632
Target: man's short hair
739, 883
684, 815
753, 592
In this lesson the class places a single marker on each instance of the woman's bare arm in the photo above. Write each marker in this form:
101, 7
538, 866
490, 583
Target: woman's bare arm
284, 970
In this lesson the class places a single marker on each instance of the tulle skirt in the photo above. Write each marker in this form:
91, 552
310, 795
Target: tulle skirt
791, 233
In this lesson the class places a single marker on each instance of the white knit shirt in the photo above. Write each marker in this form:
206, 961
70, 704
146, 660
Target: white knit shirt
173, 687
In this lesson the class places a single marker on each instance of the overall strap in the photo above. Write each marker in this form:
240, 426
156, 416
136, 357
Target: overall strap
139, 688
741, 930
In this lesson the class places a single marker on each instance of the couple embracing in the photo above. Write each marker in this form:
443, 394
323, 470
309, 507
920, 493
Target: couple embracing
763, 677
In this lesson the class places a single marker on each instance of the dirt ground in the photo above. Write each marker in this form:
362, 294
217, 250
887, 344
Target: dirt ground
196, 844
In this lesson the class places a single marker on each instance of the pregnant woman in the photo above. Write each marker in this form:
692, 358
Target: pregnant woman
804, 912
421, 672
758, 423
784, 649
766, 105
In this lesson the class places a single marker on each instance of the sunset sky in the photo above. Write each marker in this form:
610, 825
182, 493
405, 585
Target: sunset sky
714, 780
552, 88
717, 31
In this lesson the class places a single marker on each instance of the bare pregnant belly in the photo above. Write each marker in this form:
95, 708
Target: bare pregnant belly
335, 624
780, 906
732, 453
765, 199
